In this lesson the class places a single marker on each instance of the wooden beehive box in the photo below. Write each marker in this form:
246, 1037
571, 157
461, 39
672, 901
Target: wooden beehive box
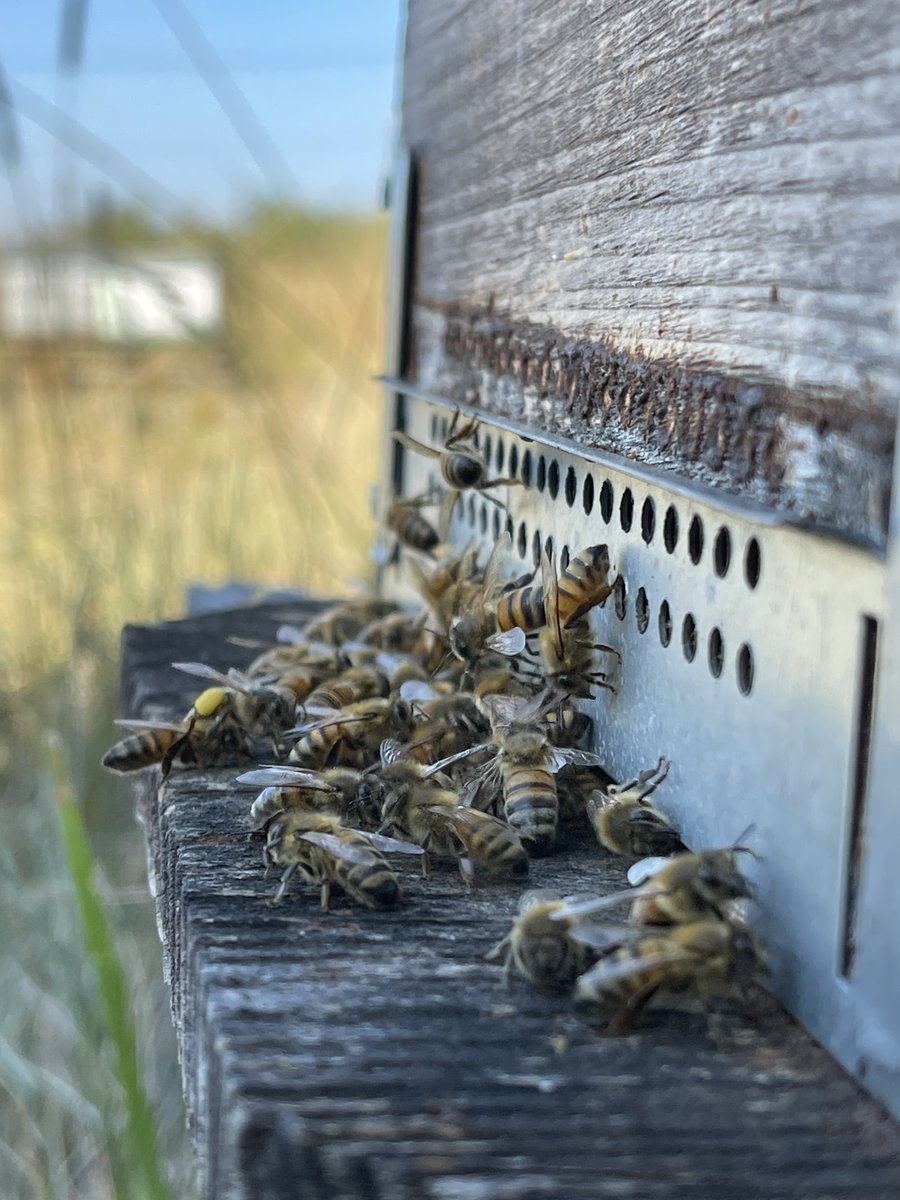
655, 246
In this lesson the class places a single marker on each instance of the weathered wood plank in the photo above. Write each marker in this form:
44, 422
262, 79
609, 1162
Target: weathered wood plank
360, 1054
704, 188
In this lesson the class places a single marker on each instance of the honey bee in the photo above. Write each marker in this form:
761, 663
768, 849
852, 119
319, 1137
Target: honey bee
475, 627
153, 742
444, 723
356, 683
583, 585
447, 586
404, 519
490, 843
338, 791
625, 823
294, 653
255, 706
411, 795
461, 465
541, 950
351, 736
526, 764
567, 645
680, 890
342, 622
701, 957
404, 633
325, 853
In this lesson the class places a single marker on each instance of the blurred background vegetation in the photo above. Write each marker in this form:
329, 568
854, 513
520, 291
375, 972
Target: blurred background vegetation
126, 472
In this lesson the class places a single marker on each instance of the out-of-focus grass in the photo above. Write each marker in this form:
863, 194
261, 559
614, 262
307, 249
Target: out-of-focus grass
123, 476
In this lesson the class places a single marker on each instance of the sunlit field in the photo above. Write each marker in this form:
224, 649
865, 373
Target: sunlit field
124, 475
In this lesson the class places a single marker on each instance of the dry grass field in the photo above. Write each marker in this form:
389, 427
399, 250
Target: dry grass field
123, 476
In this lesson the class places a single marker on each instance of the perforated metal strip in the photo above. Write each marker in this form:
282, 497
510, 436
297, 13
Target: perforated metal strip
749, 648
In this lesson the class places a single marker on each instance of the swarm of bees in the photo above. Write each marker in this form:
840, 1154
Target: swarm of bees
451, 736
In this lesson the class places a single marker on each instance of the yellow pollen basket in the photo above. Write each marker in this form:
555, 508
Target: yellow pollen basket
207, 702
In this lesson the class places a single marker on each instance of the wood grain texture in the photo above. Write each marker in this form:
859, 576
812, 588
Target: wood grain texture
712, 186
358, 1055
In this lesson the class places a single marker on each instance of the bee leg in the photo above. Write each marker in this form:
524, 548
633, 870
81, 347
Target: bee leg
325, 896
467, 871
463, 433
285, 880
445, 513
505, 482
172, 753
628, 1013
607, 649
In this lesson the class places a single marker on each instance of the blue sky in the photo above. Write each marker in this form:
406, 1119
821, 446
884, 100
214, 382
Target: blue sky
319, 76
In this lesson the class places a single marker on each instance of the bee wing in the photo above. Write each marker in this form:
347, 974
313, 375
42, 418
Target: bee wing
493, 580
452, 758
604, 937
574, 910
509, 642
410, 442
392, 845
417, 689
551, 601
141, 726
390, 751
503, 710
561, 756
284, 777
204, 671
611, 972
338, 718
641, 871
289, 635
337, 847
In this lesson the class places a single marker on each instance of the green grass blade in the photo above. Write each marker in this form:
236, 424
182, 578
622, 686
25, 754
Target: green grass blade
101, 949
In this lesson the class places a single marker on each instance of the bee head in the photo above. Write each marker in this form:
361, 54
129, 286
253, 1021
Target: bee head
719, 878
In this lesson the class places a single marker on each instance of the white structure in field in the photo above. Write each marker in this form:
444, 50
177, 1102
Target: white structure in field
129, 298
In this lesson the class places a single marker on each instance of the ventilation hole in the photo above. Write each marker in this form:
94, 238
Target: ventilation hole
536, 547
513, 460
606, 501
541, 480
472, 511
642, 610
500, 455
553, 479
526, 468
587, 496
476, 437
745, 669
665, 623
670, 528
495, 523
548, 547
571, 486
722, 551
445, 429
488, 448
483, 517
648, 520
752, 563
716, 652
689, 637
510, 523
522, 540
564, 558
695, 539
434, 426
626, 510
620, 597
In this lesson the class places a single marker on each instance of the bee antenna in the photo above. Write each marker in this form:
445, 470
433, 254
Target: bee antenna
740, 848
